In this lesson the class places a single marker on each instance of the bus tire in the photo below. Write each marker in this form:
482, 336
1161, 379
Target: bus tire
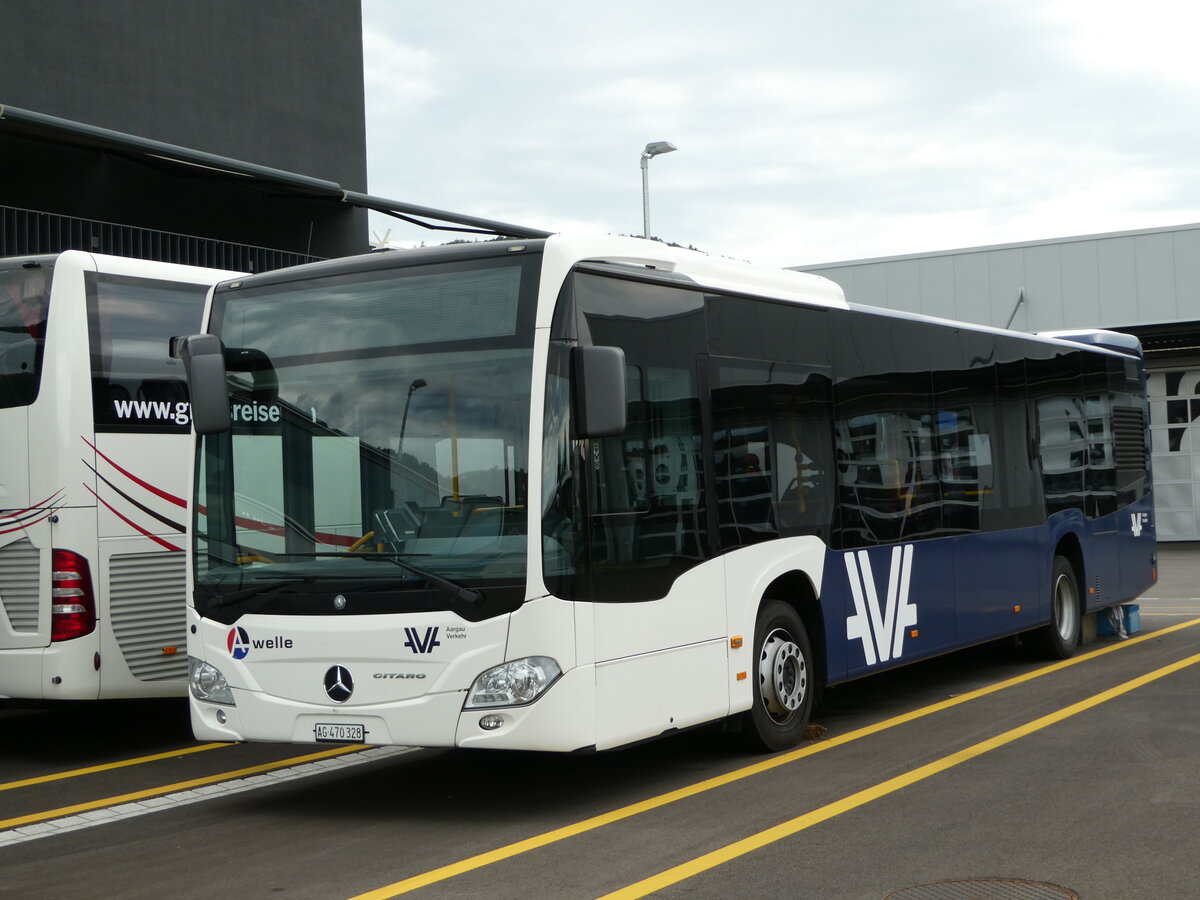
1060, 638
784, 679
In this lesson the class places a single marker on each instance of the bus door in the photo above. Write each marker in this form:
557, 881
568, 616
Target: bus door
657, 598
24, 518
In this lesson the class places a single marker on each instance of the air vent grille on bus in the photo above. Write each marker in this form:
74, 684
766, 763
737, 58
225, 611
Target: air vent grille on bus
146, 597
1129, 438
19, 573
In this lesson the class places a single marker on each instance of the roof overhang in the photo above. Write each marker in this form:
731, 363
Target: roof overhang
29, 125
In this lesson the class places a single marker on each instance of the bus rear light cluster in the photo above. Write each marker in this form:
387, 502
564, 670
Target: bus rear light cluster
73, 603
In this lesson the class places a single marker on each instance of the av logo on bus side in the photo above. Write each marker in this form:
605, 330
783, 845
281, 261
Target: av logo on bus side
418, 644
880, 627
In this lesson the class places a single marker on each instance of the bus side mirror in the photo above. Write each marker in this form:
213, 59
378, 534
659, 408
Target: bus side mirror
598, 374
204, 362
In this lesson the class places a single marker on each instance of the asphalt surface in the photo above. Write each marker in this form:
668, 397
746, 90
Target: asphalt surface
984, 763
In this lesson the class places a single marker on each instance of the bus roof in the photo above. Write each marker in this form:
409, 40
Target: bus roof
563, 252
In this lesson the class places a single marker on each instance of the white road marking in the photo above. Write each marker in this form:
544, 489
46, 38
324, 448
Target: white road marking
121, 811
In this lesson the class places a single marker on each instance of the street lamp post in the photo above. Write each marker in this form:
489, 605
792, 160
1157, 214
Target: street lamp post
653, 149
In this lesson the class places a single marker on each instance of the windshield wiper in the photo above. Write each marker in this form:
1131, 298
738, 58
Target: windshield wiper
465, 594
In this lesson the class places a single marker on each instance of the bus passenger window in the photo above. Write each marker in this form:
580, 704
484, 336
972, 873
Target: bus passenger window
24, 296
771, 450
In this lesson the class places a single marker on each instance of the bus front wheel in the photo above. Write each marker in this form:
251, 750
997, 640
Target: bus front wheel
1060, 638
783, 679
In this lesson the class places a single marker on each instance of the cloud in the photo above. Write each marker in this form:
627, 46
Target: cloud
805, 132
397, 77
1155, 39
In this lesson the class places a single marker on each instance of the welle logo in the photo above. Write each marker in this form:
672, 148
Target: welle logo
880, 626
238, 642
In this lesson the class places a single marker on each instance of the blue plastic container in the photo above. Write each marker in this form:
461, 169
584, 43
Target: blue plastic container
1132, 614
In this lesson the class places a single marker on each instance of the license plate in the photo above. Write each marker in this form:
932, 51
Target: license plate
340, 732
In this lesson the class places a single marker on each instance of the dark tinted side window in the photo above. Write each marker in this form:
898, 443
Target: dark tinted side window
24, 304
135, 383
1020, 493
1091, 429
772, 432
772, 450
967, 431
772, 330
1056, 391
885, 431
645, 490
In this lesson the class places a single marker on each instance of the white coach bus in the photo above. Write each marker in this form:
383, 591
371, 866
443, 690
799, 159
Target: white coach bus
94, 437
571, 493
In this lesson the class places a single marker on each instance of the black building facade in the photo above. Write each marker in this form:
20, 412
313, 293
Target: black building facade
211, 132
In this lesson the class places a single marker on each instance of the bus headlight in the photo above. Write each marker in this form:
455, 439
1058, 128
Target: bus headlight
207, 683
514, 683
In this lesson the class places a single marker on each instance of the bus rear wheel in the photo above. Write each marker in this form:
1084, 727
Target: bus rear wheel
783, 679
1060, 638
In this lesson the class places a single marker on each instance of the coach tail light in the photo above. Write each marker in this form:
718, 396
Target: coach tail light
514, 683
73, 604
207, 683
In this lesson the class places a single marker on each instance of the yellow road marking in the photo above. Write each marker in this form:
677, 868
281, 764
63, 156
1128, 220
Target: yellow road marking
107, 767
861, 798
172, 788
567, 831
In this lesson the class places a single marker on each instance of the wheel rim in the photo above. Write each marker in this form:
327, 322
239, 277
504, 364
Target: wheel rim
782, 676
1066, 607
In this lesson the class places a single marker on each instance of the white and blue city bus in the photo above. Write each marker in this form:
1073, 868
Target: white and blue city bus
94, 438
573, 493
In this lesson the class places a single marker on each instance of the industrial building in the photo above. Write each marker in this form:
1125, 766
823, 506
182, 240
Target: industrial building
1144, 282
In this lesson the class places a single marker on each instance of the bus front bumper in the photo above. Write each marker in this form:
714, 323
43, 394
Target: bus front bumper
561, 719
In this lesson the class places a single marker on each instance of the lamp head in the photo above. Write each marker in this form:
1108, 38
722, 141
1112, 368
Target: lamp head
654, 148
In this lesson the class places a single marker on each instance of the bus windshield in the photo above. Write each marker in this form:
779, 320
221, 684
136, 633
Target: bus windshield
24, 302
380, 431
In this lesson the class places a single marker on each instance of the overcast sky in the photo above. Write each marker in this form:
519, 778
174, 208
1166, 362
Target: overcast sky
807, 132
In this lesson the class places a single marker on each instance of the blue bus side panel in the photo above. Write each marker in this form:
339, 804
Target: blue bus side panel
1000, 583
876, 598
1118, 552
1138, 549
886, 606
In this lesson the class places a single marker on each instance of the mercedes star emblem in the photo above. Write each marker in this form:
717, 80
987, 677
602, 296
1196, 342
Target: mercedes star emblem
339, 684
339, 602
